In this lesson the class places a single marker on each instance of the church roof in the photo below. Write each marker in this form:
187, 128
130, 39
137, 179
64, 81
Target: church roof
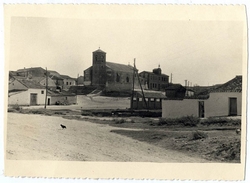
119, 67
99, 50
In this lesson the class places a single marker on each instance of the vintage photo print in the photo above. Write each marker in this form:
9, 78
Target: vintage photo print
125, 91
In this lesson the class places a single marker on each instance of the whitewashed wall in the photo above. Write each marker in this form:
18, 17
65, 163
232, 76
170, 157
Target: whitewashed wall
218, 104
23, 98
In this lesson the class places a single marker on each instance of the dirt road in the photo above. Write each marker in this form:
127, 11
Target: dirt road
35, 137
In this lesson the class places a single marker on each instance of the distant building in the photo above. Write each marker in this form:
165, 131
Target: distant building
175, 91
155, 80
108, 75
26, 92
68, 82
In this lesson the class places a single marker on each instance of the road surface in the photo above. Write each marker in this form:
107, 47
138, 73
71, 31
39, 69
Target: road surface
37, 137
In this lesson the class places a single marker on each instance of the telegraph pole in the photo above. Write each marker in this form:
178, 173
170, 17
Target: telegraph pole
171, 78
46, 89
132, 96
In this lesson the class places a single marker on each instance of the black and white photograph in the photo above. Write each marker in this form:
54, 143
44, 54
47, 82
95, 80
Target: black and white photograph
126, 84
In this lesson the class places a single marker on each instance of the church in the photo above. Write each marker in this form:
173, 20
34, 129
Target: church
112, 77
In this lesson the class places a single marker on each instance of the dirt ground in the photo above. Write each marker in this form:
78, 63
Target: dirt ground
40, 137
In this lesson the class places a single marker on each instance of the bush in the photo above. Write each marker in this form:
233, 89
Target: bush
183, 121
221, 121
17, 107
37, 112
199, 135
11, 110
120, 121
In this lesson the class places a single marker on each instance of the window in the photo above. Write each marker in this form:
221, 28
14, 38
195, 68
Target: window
127, 79
67, 83
117, 77
66, 98
42, 92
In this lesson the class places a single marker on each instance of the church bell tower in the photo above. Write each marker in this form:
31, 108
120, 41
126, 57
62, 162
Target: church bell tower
99, 68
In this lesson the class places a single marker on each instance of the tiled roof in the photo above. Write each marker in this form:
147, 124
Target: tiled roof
55, 77
54, 73
175, 87
31, 84
234, 85
119, 67
36, 71
66, 77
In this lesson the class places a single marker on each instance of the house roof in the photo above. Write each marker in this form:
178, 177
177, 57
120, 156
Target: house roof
36, 71
150, 94
56, 77
234, 85
54, 73
31, 84
175, 87
66, 77
119, 67
99, 50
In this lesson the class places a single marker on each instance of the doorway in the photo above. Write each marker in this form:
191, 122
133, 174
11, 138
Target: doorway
48, 103
201, 109
33, 99
232, 106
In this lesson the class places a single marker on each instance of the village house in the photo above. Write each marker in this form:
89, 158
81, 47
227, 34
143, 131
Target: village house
225, 100
26, 92
108, 75
68, 82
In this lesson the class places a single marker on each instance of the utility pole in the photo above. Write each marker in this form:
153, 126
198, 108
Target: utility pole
132, 96
171, 78
142, 91
46, 89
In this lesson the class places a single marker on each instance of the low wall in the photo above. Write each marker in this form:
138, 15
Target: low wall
63, 99
180, 108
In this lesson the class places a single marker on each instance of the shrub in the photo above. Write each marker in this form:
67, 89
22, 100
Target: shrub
183, 121
199, 135
120, 121
16, 107
37, 112
11, 110
221, 121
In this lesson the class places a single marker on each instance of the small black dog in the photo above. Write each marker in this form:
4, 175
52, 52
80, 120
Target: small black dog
63, 126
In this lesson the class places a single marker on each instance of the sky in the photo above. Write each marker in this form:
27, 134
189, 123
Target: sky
202, 52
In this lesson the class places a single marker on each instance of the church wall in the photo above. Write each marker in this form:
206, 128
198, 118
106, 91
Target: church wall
119, 81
